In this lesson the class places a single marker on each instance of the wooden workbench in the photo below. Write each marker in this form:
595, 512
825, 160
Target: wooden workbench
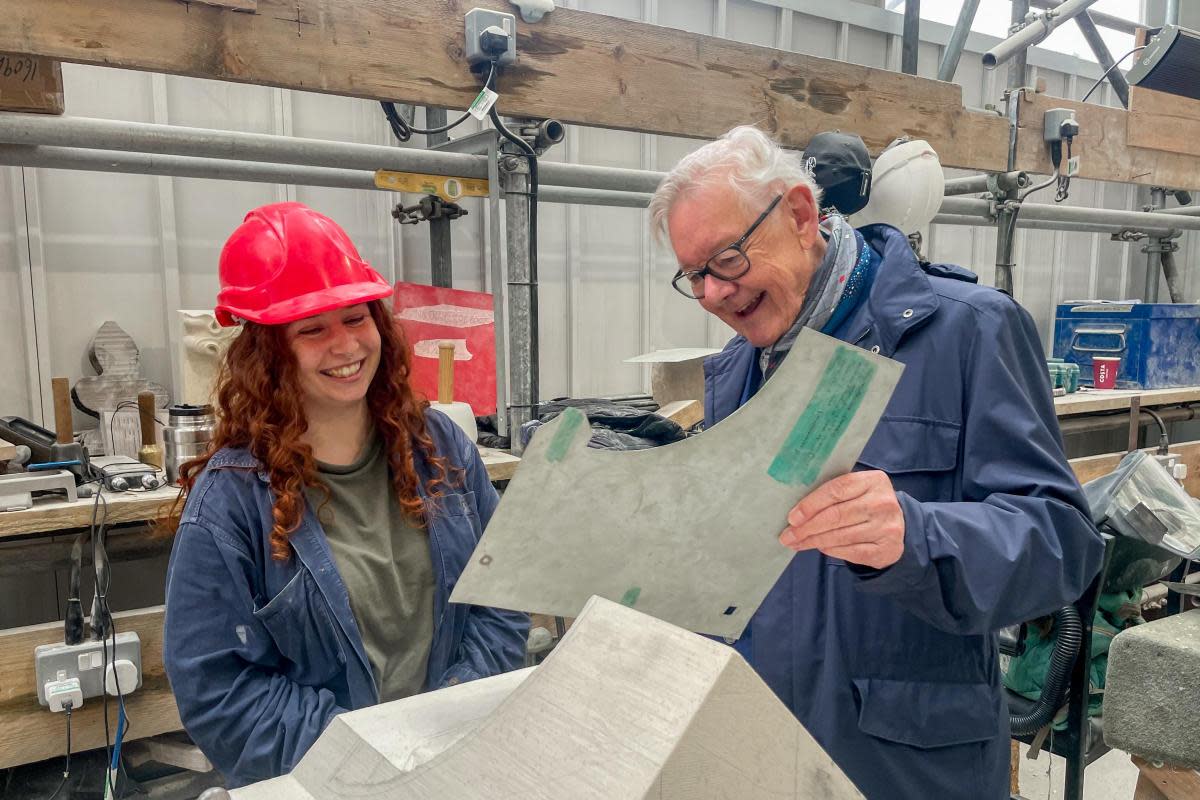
1092, 401
31, 733
59, 515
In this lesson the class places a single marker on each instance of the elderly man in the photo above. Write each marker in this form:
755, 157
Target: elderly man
962, 516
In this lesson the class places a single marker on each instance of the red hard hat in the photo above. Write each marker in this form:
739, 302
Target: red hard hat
286, 262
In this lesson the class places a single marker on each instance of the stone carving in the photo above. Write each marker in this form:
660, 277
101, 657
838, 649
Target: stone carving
202, 345
118, 364
627, 707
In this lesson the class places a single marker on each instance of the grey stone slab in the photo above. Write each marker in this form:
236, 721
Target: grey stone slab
687, 532
626, 708
1152, 693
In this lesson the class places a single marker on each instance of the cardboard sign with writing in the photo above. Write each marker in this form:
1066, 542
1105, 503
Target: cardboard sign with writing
30, 83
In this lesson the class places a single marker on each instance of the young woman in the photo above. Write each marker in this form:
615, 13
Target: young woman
327, 525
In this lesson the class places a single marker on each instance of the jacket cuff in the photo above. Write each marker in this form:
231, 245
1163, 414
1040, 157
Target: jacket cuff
458, 673
914, 565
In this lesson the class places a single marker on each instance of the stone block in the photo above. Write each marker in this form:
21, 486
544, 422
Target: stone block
1152, 692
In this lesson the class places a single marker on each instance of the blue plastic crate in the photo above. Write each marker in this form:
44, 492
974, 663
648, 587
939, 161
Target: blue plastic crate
1158, 343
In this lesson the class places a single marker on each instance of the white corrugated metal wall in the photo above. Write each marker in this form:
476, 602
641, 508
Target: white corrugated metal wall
80, 248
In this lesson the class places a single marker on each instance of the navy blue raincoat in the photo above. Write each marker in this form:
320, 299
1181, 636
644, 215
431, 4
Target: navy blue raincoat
895, 672
262, 654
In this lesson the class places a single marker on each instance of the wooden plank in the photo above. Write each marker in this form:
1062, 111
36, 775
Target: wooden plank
30, 84
232, 5
684, 413
1090, 402
574, 66
1160, 121
60, 515
1091, 467
33, 733
7, 451
1103, 146
1172, 783
500, 465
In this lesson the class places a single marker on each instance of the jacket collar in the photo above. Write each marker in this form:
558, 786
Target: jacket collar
902, 297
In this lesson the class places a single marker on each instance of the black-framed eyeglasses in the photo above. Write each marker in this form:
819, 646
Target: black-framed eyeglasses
729, 264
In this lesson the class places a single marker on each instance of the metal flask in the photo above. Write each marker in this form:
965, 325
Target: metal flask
187, 435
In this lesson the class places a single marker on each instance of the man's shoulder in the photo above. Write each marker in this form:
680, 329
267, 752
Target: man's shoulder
972, 299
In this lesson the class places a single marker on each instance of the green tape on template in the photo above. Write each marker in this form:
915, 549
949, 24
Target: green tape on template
838, 396
572, 418
630, 597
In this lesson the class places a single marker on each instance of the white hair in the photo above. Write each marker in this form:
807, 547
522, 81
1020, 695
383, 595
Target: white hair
750, 161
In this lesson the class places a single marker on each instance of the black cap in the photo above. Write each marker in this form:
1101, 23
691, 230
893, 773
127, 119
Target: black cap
841, 166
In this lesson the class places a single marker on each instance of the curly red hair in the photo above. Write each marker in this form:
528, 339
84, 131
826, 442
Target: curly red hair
259, 408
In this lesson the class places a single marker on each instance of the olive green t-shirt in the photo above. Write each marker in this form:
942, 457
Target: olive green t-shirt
385, 564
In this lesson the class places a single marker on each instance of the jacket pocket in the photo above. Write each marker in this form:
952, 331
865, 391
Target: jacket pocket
301, 626
927, 714
919, 454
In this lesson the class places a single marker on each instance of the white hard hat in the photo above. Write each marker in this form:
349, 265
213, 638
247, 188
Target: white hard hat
907, 188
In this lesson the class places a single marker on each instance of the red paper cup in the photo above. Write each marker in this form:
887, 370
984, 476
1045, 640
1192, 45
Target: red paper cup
1104, 372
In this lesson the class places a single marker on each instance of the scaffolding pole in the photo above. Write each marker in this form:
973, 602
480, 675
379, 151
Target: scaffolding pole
1034, 32
1095, 41
958, 40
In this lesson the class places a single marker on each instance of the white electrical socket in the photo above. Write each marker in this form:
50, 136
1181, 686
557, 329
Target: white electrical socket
63, 690
85, 662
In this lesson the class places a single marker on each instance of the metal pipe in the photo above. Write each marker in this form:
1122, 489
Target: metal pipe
141, 137
441, 263
911, 37
585, 176
182, 166
1174, 279
1186, 211
1006, 234
1128, 219
1034, 32
967, 206
522, 299
1161, 222
974, 184
1172, 15
1047, 225
1158, 199
1101, 19
593, 197
1107, 422
258, 172
958, 40
1115, 77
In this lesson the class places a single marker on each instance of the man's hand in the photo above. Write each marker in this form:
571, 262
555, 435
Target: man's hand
855, 517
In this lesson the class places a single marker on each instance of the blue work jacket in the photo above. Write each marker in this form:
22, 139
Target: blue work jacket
895, 672
262, 654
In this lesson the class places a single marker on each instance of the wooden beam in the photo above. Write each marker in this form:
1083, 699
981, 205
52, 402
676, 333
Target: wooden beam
1170, 782
1091, 467
33, 733
1103, 146
232, 5
574, 66
1119, 399
1160, 121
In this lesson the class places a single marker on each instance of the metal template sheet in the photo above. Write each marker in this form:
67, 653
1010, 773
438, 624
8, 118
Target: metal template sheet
687, 532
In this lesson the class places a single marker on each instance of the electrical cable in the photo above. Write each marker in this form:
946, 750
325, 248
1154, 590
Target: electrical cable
1110, 69
67, 766
1164, 444
403, 130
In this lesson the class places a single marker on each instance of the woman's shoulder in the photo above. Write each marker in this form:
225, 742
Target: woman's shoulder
232, 482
